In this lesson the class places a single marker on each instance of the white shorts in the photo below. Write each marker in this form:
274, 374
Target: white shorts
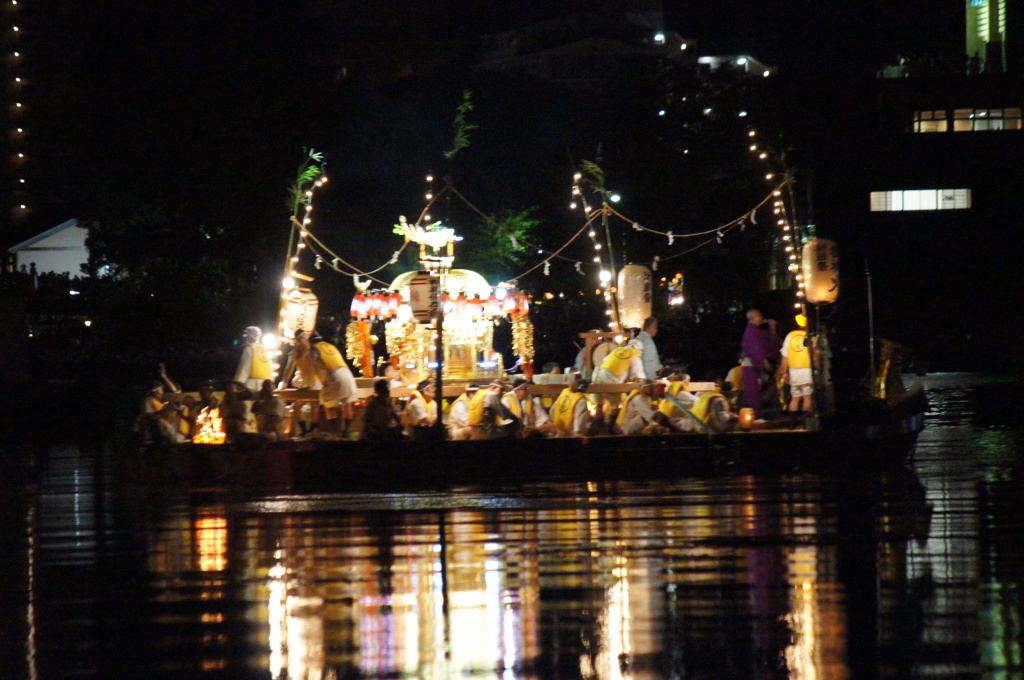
800, 380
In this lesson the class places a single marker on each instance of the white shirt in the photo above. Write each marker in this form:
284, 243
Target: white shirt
639, 412
650, 358
458, 415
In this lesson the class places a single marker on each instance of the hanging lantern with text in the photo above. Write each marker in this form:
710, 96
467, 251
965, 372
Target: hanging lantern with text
820, 267
634, 293
299, 312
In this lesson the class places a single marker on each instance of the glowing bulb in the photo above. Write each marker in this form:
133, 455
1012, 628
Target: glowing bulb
572, 206
605, 276
752, 133
269, 341
592, 234
429, 196
288, 283
430, 178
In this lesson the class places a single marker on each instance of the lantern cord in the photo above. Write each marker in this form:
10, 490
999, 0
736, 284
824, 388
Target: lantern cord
355, 269
490, 220
575, 236
725, 229
733, 223
433, 199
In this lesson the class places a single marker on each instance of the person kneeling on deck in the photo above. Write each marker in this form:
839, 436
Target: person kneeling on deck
711, 408
639, 415
458, 415
570, 413
622, 365
533, 416
488, 417
420, 412
270, 412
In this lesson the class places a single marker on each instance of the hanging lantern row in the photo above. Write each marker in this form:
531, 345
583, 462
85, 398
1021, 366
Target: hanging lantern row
502, 302
375, 305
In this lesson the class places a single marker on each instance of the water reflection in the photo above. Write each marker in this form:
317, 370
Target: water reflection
898, 573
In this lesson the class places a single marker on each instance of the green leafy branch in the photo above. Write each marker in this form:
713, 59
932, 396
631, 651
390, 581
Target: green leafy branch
308, 173
462, 127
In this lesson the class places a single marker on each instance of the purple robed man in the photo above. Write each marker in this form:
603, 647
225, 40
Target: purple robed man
760, 348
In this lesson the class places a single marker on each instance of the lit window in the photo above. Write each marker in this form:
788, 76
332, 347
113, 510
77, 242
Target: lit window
976, 120
920, 199
930, 121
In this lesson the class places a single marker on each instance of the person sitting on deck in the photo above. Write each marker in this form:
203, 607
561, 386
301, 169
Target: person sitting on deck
380, 422
420, 412
153, 404
488, 417
570, 413
270, 411
388, 371
169, 426
458, 415
622, 365
678, 388
239, 421
533, 416
639, 415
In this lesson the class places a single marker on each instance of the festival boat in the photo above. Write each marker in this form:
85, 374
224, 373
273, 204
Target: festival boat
438, 322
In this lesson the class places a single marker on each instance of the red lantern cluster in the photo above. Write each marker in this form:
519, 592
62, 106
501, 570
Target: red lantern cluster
381, 305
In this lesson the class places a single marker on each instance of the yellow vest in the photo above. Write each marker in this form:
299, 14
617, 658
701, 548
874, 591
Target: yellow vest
156, 404
330, 356
666, 406
564, 409
476, 408
516, 406
620, 419
619, 360
701, 409
259, 369
184, 426
799, 356
306, 369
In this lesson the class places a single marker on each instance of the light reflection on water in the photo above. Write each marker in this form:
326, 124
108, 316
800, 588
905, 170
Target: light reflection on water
898, 574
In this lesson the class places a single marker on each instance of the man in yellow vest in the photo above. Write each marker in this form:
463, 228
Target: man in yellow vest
488, 417
321, 366
533, 416
458, 415
622, 365
253, 365
420, 412
796, 368
570, 413
640, 415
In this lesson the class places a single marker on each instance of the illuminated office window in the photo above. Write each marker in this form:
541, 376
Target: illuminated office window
920, 199
975, 120
930, 121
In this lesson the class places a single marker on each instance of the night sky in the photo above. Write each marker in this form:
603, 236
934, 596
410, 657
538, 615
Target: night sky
204, 112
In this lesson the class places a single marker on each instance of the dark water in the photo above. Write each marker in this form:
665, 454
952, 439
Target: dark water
913, 573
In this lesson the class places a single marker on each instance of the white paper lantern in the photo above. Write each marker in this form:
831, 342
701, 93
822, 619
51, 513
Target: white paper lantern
820, 266
300, 309
635, 293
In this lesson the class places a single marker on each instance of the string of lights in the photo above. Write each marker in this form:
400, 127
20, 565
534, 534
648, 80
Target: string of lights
17, 114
